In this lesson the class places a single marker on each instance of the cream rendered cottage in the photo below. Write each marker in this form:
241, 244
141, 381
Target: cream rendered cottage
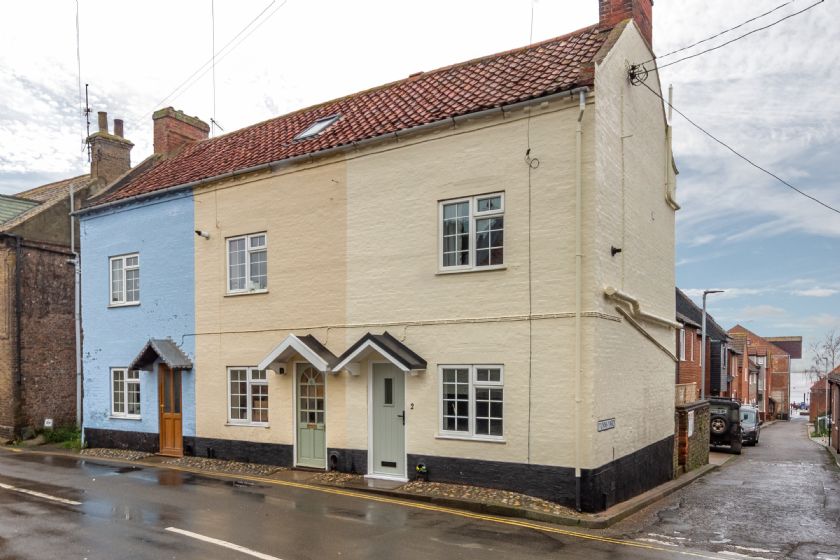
468, 270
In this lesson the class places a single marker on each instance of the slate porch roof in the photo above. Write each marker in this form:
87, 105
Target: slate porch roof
541, 69
164, 349
387, 345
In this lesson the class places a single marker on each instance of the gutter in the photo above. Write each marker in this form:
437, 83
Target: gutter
306, 158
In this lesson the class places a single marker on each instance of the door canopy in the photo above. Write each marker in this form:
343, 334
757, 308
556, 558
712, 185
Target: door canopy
387, 347
308, 347
163, 349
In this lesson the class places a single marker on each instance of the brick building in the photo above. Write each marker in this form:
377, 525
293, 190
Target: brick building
818, 399
774, 362
834, 408
37, 333
689, 339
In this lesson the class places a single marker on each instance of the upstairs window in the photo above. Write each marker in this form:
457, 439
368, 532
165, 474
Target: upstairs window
317, 127
682, 343
125, 279
472, 233
248, 263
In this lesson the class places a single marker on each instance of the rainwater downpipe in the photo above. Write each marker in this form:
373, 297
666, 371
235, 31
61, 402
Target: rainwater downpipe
77, 316
578, 286
18, 409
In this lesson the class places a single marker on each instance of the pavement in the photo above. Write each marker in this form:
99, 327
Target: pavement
780, 499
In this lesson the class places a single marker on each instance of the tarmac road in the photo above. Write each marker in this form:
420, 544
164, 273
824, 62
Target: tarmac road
780, 499
59, 507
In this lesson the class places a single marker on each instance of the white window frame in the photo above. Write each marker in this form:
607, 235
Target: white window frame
125, 383
474, 215
248, 250
122, 302
250, 382
682, 343
473, 385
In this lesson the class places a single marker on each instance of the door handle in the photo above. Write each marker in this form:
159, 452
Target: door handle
402, 416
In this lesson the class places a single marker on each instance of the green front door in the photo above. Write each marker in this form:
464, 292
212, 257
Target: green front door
388, 420
311, 440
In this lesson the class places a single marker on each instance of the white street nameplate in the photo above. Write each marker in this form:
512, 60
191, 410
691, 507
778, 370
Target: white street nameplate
604, 425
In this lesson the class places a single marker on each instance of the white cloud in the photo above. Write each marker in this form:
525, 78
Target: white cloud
817, 292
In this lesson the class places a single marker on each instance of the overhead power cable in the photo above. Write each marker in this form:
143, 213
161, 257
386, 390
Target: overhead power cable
736, 152
218, 55
738, 38
724, 32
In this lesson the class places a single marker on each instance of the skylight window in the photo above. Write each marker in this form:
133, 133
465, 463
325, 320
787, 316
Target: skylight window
317, 127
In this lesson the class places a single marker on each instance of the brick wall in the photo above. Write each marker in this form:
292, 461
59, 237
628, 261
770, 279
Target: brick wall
48, 355
818, 400
47, 363
691, 451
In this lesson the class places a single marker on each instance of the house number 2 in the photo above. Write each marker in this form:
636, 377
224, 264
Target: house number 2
412, 406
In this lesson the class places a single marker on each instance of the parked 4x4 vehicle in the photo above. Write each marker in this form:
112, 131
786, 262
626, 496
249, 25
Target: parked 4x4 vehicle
725, 423
750, 424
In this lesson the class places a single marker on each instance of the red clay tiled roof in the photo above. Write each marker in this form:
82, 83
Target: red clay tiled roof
541, 69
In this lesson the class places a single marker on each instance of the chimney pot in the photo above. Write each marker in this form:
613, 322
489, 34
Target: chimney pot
118, 127
103, 121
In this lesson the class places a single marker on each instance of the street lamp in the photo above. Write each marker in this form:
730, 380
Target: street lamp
703, 345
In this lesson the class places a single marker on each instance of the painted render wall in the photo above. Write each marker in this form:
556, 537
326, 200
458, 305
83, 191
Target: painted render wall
634, 382
161, 231
353, 247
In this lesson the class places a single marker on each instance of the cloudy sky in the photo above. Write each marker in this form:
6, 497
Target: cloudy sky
775, 96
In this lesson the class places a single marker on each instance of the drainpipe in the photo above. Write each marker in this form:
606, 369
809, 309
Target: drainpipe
77, 316
18, 412
578, 286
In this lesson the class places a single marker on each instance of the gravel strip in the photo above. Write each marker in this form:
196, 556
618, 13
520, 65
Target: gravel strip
126, 454
485, 495
335, 478
228, 467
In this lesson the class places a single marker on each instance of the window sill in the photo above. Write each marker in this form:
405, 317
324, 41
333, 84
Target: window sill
135, 418
247, 425
472, 438
444, 272
132, 304
248, 293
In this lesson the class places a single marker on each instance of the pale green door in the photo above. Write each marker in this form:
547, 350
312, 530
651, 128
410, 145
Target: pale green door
388, 420
311, 440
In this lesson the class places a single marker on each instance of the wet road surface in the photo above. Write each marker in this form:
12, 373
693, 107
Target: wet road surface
780, 499
96, 510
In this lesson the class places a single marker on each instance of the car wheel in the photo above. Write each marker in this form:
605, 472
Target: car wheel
719, 425
736, 447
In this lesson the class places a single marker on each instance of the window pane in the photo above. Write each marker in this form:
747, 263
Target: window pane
118, 391
133, 406
389, 391
238, 394
488, 409
259, 275
489, 241
482, 257
257, 241
490, 203
132, 285
259, 403
116, 280
236, 264
131, 261
455, 399
456, 234
176, 391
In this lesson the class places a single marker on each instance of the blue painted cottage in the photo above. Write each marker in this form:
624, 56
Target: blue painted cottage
138, 310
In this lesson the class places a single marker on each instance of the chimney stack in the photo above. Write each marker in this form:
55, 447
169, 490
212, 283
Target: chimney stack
110, 154
613, 12
173, 131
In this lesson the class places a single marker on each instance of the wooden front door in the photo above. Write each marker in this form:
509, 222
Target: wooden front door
169, 397
311, 423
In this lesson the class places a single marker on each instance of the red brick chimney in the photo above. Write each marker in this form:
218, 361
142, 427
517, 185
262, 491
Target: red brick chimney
174, 131
613, 12
110, 154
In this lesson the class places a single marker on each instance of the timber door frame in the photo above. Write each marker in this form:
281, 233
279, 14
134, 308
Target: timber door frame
371, 473
296, 414
179, 450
